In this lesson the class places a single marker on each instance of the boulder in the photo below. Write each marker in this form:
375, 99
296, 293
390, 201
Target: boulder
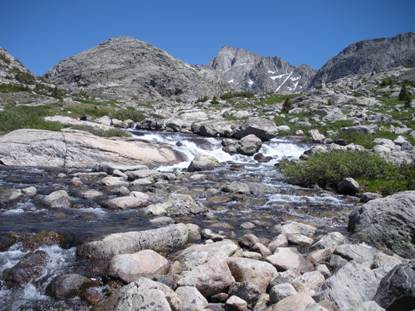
236, 187
256, 272
294, 227
203, 163
262, 128
177, 205
348, 186
210, 278
353, 284
126, 202
57, 199
198, 254
288, 258
387, 223
143, 294
297, 302
112, 181
330, 240
235, 303
163, 239
247, 291
191, 298
281, 291
129, 267
67, 286
71, 148
397, 289
29, 268
249, 145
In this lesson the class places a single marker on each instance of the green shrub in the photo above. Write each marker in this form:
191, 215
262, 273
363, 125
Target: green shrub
214, 101
12, 88
404, 94
328, 169
13, 118
230, 95
100, 132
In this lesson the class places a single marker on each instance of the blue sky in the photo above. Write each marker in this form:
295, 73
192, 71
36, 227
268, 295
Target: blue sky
42, 32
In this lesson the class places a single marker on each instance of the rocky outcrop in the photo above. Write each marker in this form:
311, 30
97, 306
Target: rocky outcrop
13, 72
397, 289
244, 70
387, 223
144, 294
369, 56
124, 67
162, 239
71, 148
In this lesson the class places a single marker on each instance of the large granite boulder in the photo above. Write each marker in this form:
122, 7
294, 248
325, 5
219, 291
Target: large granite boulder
72, 148
387, 223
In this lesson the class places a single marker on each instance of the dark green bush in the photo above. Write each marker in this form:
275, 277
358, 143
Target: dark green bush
328, 169
230, 95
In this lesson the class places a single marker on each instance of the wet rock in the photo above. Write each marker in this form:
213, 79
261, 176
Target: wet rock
67, 286
236, 187
262, 158
177, 205
256, 272
209, 278
369, 196
162, 220
111, 181
9, 195
348, 186
76, 182
7, 240
92, 295
281, 291
288, 258
387, 223
163, 239
234, 303
198, 254
297, 302
126, 202
143, 294
45, 238
191, 298
350, 286
91, 194
221, 297
249, 145
29, 268
57, 199
211, 235
397, 289
247, 225
29, 191
245, 290
129, 267
203, 163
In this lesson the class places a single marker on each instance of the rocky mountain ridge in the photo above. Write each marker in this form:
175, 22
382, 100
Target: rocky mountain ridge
247, 71
124, 67
368, 56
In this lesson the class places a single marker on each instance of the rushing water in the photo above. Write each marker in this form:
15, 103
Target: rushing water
272, 201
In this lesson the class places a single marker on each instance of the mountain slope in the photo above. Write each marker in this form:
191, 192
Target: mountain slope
244, 70
124, 67
12, 71
367, 56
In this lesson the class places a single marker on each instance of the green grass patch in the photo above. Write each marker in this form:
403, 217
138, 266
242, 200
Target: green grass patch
328, 169
26, 117
101, 132
12, 88
231, 95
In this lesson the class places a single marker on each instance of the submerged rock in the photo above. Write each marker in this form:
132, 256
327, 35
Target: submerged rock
29, 268
57, 199
67, 286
